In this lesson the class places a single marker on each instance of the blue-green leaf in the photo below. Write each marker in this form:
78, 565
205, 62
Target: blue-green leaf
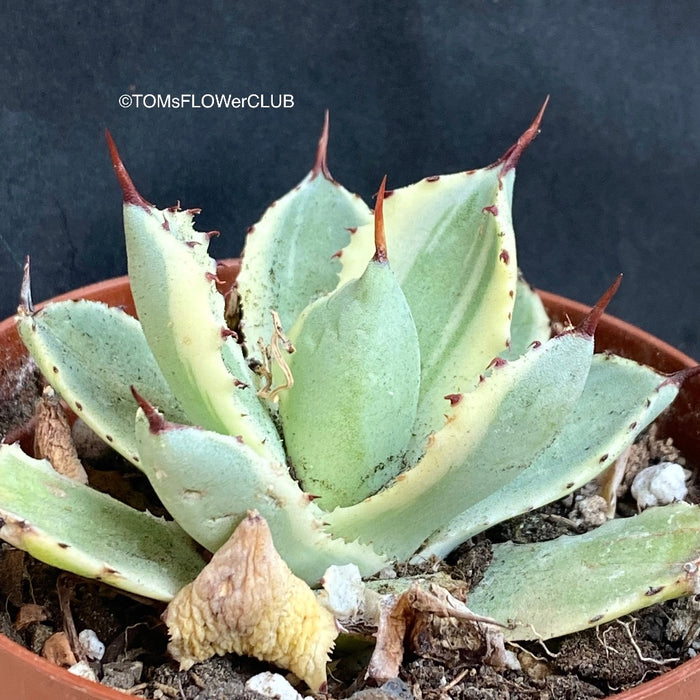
69, 525
290, 256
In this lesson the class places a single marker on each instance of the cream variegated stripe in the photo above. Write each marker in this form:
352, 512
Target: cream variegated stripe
591, 439
182, 317
461, 303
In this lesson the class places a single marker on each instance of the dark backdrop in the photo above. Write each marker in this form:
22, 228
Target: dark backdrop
413, 88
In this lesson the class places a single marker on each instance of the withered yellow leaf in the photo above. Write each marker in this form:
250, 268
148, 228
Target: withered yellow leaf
247, 601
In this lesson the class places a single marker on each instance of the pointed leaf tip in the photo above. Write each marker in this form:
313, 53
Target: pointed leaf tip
588, 325
320, 164
510, 158
156, 422
129, 192
380, 254
678, 378
26, 307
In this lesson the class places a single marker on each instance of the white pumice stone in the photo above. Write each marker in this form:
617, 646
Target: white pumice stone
512, 662
659, 485
343, 591
94, 648
84, 670
273, 685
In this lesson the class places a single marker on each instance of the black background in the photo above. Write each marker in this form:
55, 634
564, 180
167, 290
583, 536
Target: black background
414, 89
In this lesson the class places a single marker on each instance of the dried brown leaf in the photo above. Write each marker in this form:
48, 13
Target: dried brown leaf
64, 587
28, 613
247, 601
57, 650
611, 479
388, 652
432, 624
11, 573
53, 439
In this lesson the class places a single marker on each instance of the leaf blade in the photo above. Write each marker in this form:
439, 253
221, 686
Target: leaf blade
576, 582
291, 255
232, 479
182, 315
461, 225
72, 526
530, 323
633, 395
91, 354
349, 415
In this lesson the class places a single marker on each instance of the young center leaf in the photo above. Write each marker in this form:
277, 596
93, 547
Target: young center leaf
356, 374
291, 255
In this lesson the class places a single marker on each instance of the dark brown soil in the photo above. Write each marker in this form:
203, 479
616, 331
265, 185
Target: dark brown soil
590, 664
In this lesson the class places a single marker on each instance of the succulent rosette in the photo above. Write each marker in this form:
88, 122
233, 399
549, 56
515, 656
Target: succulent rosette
391, 390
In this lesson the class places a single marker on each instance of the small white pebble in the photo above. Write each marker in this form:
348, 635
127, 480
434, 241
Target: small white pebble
84, 670
388, 572
512, 662
273, 685
94, 648
659, 485
343, 591
592, 510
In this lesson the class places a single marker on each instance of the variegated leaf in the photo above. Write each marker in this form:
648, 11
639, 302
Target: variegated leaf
548, 589
290, 256
182, 314
453, 253
456, 262
619, 400
91, 354
69, 525
230, 479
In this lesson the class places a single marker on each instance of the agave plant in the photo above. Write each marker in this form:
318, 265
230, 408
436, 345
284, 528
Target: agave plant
391, 391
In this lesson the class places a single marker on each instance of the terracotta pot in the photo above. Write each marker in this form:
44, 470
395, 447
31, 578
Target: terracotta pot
26, 676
